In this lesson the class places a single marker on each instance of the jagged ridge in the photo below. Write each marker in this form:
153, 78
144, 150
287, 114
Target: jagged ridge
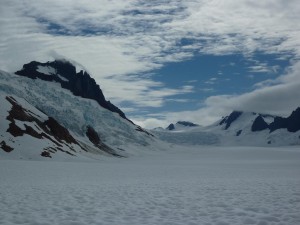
80, 84
291, 123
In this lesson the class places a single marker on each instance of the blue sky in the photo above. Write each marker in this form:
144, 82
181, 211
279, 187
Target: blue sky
162, 61
216, 75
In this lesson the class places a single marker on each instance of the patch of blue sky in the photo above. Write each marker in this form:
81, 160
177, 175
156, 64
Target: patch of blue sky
216, 75
82, 28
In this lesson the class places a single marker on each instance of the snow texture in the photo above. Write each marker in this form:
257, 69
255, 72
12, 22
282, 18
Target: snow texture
62, 78
203, 185
48, 70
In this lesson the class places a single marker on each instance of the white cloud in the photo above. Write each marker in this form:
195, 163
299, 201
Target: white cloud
207, 89
116, 40
211, 81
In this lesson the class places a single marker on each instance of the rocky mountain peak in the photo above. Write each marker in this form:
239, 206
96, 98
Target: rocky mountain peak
79, 83
259, 124
171, 127
291, 123
228, 120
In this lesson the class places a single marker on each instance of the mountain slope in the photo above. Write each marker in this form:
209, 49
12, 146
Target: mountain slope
40, 115
26, 131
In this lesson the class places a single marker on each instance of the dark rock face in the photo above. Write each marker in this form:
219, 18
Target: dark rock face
95, 139
80, 84
291, 123
187, 124
50, 129
278, 123
230, 119
46, 154
5, 147
171, 127
259, 124
58, 131
238, 133
93, 136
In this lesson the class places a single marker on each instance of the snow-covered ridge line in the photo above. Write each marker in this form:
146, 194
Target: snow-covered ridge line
97, 130
238, 128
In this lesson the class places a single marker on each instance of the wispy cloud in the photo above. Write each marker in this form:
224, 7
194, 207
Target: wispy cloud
262, 67
211, 81
120, 40
207, 89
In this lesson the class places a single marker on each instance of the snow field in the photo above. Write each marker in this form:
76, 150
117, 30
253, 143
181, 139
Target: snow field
203, 185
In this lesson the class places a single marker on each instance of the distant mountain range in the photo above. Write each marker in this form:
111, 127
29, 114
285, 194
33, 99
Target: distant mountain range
238, 128
291, 123
180, 125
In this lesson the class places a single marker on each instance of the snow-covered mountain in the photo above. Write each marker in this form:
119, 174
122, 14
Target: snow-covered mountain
77, 81
181, 125
52, 110
260, 122
240, 128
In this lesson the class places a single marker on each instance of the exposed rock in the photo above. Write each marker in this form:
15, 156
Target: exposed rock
18, 112
58, 131
291, 123
50, 128
5, 147
46, 154
32, 132
14, 130
228, 120
278, 123
95, 139
238, 133
171, 127
93, 136
259, 124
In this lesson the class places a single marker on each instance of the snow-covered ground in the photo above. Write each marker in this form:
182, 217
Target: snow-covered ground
190, 185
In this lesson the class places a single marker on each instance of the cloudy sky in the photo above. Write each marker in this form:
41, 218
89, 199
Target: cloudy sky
162, 61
